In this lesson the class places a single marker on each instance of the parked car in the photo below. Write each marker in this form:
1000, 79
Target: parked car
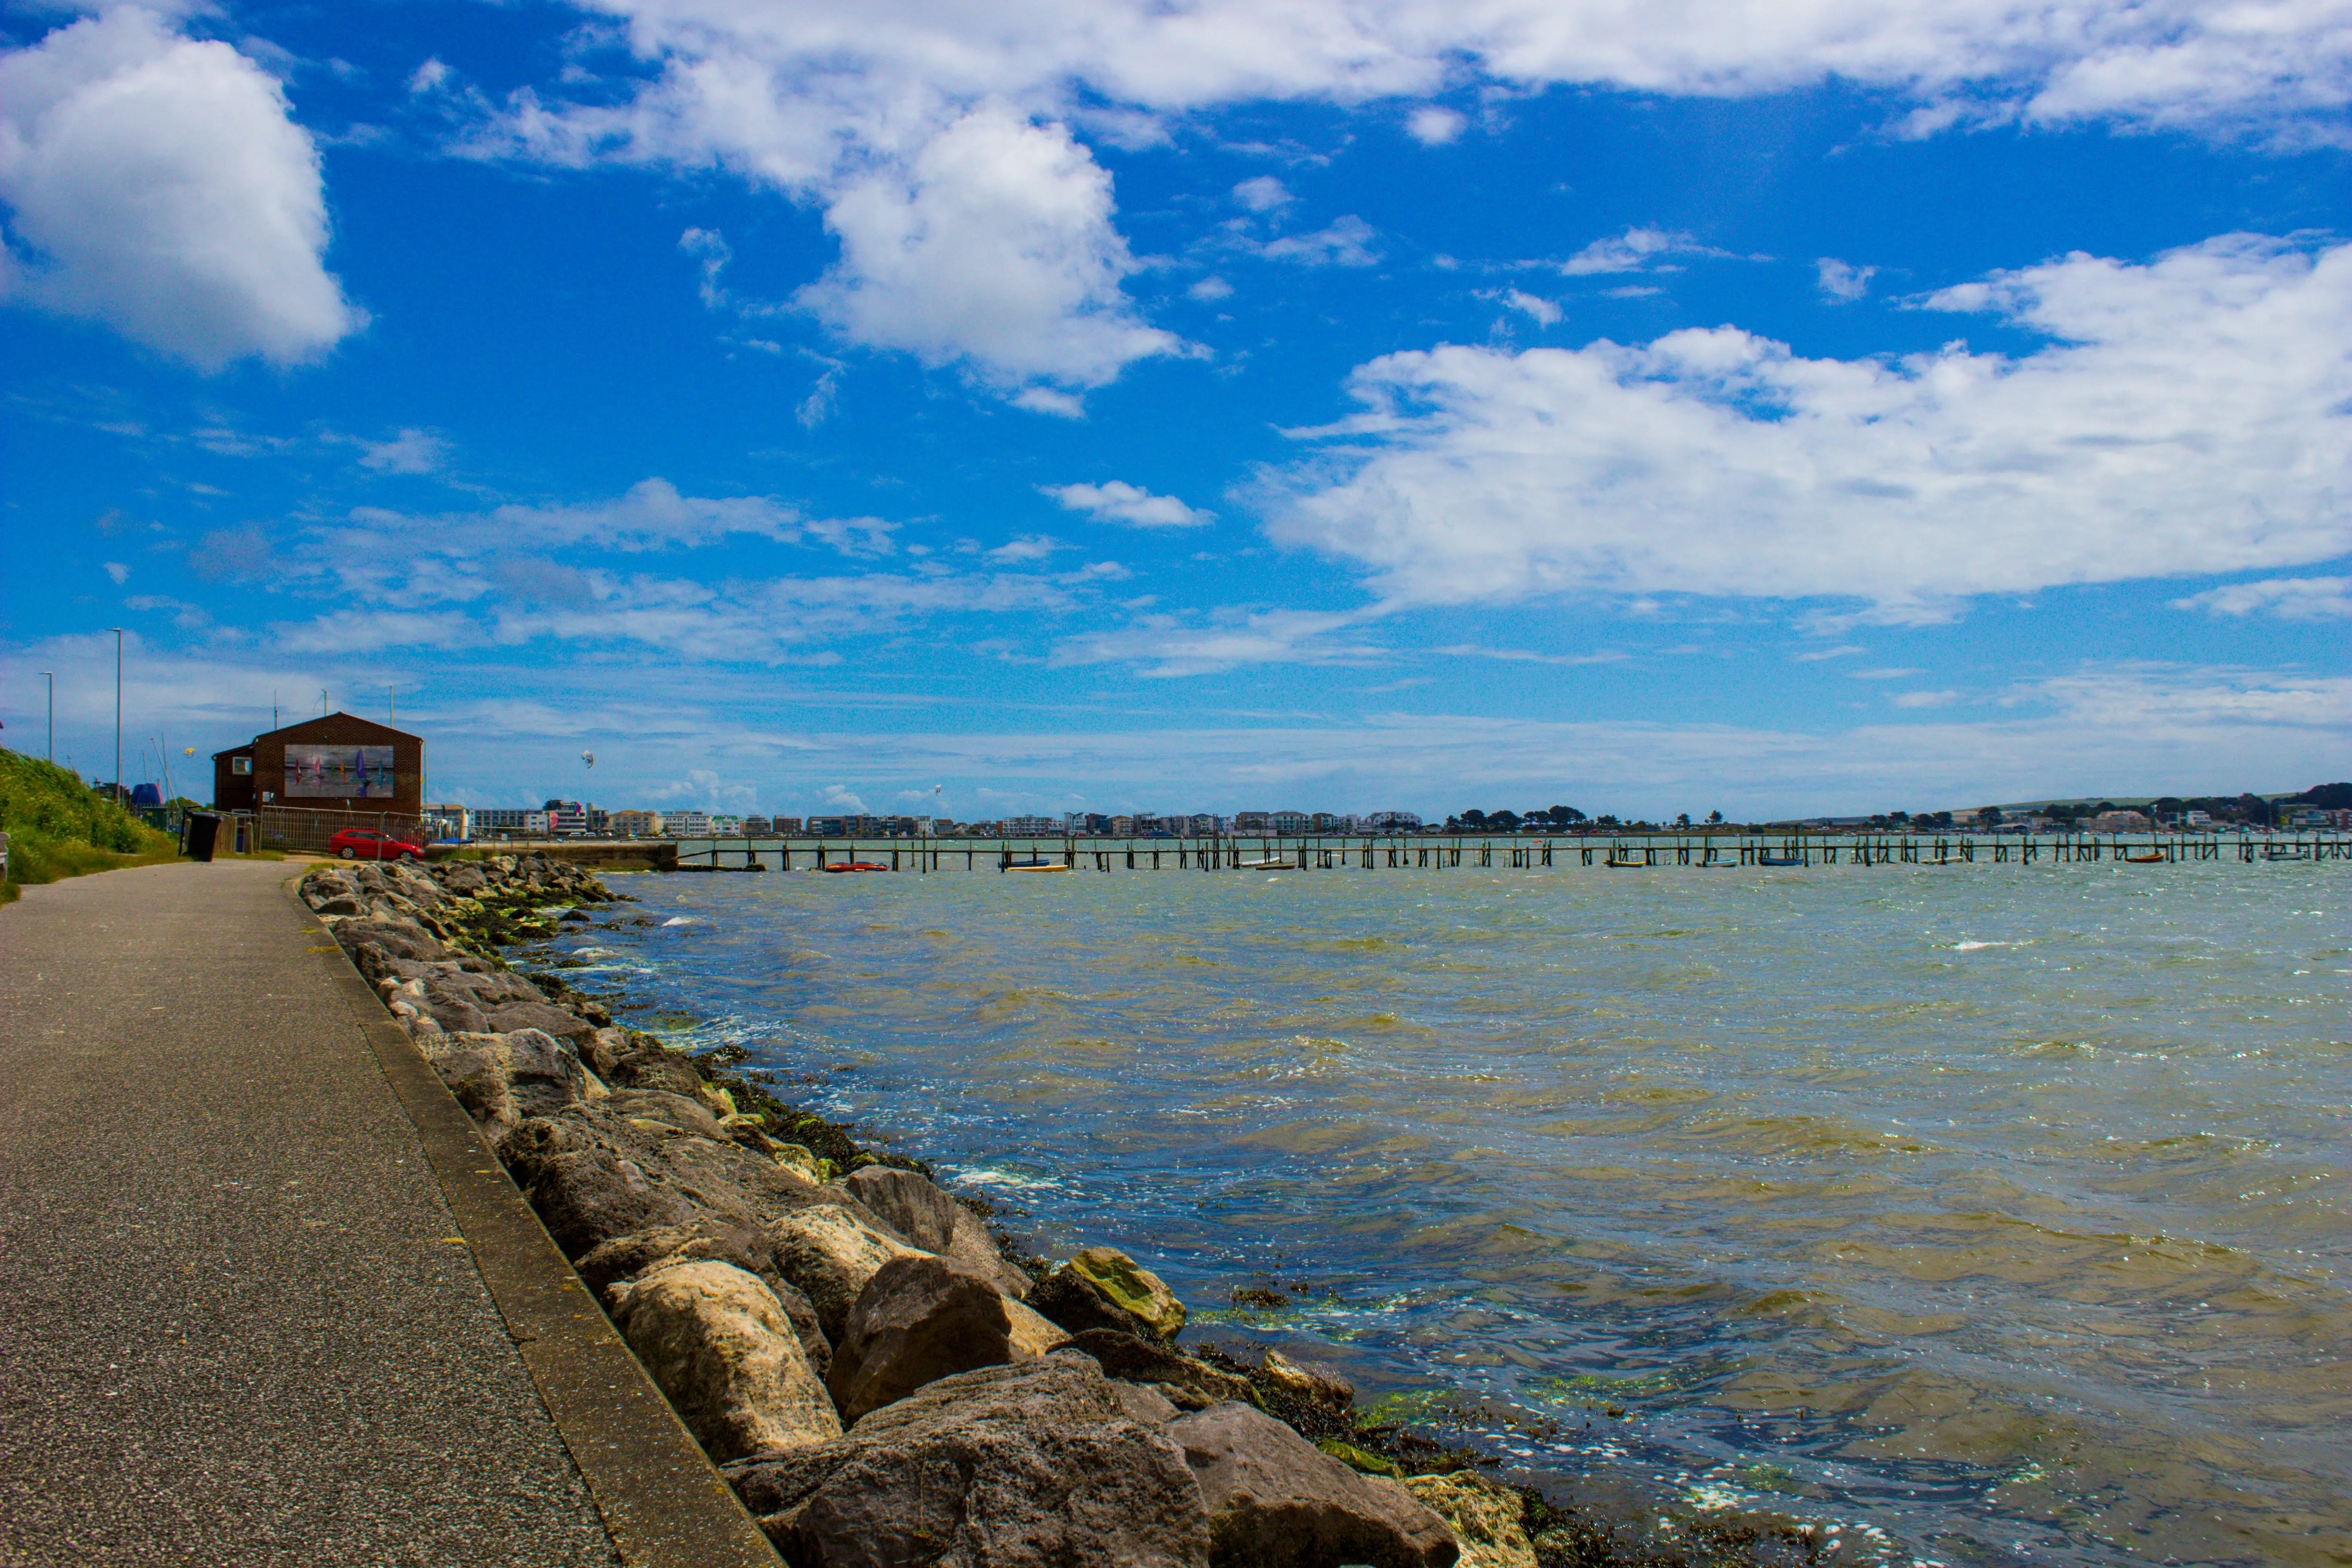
373, 844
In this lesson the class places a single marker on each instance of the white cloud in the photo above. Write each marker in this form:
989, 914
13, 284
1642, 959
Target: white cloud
1211, 287
710, 247
2289, 598
119, 572
1026, 547
1166, 645
1545, 311
1924, 699
841, 107
2190, 415
1634, 250
1047, 400
651, 515
1118, 502
1262, 193
1433, 126
163, 189
1841, 280
993, 248
412, 451
1348, 242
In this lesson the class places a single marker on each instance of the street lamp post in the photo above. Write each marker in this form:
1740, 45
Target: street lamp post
118, 713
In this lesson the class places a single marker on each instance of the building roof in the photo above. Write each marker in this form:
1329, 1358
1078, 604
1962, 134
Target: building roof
341, 722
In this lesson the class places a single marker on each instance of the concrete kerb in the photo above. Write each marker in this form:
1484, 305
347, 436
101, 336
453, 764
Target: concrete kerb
662, 1502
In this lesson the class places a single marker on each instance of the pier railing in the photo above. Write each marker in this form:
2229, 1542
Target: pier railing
1433, 852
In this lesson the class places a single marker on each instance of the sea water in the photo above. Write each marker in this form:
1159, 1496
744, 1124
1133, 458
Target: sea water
1978, 1214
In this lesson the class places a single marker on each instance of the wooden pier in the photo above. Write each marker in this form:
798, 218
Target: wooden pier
1434, 852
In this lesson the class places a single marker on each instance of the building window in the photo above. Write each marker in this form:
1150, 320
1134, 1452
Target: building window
240, 765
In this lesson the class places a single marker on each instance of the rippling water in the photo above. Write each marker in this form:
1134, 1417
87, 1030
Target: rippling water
1989, 1213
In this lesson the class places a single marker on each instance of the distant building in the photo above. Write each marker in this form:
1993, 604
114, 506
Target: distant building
635, 824
689, 824
566, 819
449, 822
1289, 821
500, 821
1031, 828
2114, 821
1392, 821
1122, 827
782, 826
1250, 822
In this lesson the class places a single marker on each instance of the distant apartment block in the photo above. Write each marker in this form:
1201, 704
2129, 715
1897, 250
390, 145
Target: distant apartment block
635, 824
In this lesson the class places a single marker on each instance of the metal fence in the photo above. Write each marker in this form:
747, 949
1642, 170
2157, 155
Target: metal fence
304, 827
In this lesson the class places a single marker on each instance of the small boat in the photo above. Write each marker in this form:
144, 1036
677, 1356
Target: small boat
1779, 860
1043, 867
2153, 857
1628, 865
1269, 866
836, 866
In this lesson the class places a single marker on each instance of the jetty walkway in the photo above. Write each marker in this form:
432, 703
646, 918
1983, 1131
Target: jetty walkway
264, 1296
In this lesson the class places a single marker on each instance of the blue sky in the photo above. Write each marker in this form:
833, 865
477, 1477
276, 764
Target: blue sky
1802, 407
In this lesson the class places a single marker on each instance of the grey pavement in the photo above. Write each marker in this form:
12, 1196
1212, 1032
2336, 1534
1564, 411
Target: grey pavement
239, 1322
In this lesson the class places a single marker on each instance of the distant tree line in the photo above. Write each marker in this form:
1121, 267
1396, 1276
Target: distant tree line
2250, 808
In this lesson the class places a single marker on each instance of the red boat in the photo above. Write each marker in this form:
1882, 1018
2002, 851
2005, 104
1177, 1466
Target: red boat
854, 866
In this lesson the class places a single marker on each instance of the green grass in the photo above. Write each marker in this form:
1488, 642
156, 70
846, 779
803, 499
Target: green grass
59, 826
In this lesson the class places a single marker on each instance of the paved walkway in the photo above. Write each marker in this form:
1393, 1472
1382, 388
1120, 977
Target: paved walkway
239, 1322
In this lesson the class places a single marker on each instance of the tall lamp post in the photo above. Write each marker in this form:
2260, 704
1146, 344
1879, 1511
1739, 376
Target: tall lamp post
118, 713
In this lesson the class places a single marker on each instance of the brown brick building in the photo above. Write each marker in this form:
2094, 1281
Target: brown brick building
341, 763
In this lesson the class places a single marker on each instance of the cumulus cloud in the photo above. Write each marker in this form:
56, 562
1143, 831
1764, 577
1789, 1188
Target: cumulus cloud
160, 187
1546, 312
411, 451
1433, 126
2189, 416
1262, 193
1841, 280
1118, 502
1632, 251
841, 108
1348, 242
2289, 598
993, 247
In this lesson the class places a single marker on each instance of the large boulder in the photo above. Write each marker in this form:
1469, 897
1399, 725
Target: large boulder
1013, 1467
918, 1209
1489, 1518
587, 1190
502, 1078
917, 1321
830, 1253
911, 1203
1103, 1287
1276, 1500
625, 1257
371, 941
717, 1344
1187, 1384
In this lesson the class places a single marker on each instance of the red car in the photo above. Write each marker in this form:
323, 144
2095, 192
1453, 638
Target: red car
370, 844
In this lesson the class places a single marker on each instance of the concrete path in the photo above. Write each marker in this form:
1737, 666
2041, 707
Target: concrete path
238, 1320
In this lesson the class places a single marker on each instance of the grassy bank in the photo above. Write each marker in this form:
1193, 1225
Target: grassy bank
59, 826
